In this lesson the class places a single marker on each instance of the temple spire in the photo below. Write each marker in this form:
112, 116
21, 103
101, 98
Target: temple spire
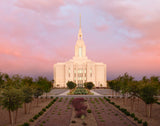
80, 36
80, 22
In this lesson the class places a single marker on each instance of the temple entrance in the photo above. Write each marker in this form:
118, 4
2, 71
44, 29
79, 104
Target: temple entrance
79, 85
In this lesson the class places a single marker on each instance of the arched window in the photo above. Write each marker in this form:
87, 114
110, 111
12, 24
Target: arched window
80, 52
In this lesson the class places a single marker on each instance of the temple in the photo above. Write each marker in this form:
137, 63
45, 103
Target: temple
80, 69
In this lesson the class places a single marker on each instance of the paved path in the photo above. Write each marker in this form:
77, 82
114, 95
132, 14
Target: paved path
95, 93
64, 93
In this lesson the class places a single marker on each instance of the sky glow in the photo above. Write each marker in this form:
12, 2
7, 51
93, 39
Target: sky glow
124, 34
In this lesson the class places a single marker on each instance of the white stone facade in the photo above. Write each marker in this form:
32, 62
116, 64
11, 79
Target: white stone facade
80, 69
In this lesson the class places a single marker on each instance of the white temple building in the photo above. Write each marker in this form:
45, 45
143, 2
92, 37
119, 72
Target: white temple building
80, 69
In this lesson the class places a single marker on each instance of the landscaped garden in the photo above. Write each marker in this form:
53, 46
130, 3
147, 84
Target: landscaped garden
80, 90
58, 115
24, 102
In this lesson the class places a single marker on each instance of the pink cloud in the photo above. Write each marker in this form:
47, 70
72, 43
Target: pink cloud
36, 34
101, 28
41, 5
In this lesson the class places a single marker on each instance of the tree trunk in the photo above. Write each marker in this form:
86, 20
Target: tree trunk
16, 116
10, 116
138, 105
37, 102
131, 103
146, 111
134, 108
150, 110
123, 100
30, 107
25, 109
46, 95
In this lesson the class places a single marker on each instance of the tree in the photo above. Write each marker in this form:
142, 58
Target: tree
45, 84
11, 100
115, 85
27, 94
133, 89
1, 80
147, 93
37, 92
125, 80
88, 85
71, 84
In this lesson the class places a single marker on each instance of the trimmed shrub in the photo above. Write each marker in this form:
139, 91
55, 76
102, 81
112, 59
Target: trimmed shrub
123, 110
43, 109
89, 111
140, 121
127, 113
35, 117
112, 103
132, 115
117, 106
71, 85
25, 124
145, 123
41, 112
31, 120
135, 118
88, 85
73, 121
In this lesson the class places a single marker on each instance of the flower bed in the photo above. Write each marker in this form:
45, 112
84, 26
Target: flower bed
80, 91
105, 114
58, 115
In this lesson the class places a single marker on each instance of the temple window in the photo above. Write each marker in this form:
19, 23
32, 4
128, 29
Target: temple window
80, 52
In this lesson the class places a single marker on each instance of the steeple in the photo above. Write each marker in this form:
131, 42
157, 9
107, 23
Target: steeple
80, 36
80, 48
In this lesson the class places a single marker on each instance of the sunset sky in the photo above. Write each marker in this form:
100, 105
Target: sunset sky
124, 34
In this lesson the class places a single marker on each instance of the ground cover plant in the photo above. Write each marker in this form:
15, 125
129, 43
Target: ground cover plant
125, 111
80, 91
139, 110
106, 114
58, 115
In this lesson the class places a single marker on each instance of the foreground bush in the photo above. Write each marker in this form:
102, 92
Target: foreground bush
71, 85
88, 85
78, 104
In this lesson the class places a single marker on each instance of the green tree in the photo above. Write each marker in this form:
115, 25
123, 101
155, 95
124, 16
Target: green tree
11, 99
37, 92
133, 89
147, 94
88, 85
1, 80
44, 83
27, 94
125, 80
71, 84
